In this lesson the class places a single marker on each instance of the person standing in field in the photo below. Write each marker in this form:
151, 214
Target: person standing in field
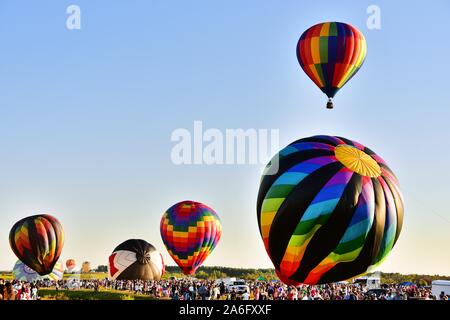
216, 293
34, 293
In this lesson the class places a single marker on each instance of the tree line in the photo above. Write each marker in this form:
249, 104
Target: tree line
213, 273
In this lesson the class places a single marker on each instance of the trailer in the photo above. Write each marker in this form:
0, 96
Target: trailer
439, 286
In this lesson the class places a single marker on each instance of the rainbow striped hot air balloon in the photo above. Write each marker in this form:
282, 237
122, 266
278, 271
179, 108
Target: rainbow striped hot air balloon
331, 53
190, 231
331, 211
38, 241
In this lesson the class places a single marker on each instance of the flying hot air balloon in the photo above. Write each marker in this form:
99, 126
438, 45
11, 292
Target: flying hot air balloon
190, 231
332, 211
37, 241
331, 53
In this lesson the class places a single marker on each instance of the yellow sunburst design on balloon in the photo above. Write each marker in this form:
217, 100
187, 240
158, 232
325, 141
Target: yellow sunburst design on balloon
357, 161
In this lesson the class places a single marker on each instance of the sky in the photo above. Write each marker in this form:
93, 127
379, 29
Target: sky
86, 116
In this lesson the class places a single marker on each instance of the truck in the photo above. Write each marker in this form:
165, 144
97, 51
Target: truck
439, 286
226, 281
238, 285
370, 282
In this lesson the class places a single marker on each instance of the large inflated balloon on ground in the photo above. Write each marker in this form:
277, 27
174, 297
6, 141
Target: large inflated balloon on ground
22, 272
136, 260
190, 230
331, 53
38, 241
57, 272
328, 209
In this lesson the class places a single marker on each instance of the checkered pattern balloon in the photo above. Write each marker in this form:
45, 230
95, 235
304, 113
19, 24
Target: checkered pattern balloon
190, 230
331, 53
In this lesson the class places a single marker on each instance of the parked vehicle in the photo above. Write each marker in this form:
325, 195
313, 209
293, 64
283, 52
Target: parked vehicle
239, 286
439, 286
376, 292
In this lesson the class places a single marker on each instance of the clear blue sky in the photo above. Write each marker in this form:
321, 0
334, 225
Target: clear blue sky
86, 115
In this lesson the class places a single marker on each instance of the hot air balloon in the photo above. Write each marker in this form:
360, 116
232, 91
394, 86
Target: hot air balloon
135, 259
22, 272
332, 211
331, 53
190, 230
86, 267
37, 241
71, 265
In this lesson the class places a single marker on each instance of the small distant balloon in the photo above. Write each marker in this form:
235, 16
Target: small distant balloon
86, 267
71, 265
331, 53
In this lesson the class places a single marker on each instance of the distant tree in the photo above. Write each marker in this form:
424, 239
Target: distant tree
422, 282
102, 269
202, 275
216, 274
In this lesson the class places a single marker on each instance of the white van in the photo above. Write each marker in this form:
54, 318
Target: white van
226, 281
438, 286
370, 282
239, 286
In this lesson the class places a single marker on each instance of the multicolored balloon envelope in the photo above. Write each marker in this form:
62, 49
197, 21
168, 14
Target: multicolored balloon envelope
22, 272
331, 53
329, 209
190, 230
136, 260
57, 272
38, 241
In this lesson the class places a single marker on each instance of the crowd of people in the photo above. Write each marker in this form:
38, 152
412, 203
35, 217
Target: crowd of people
194, 289
18, 290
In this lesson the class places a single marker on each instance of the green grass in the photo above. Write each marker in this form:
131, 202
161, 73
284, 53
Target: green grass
52, 294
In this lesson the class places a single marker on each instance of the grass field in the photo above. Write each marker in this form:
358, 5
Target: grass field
52, 294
